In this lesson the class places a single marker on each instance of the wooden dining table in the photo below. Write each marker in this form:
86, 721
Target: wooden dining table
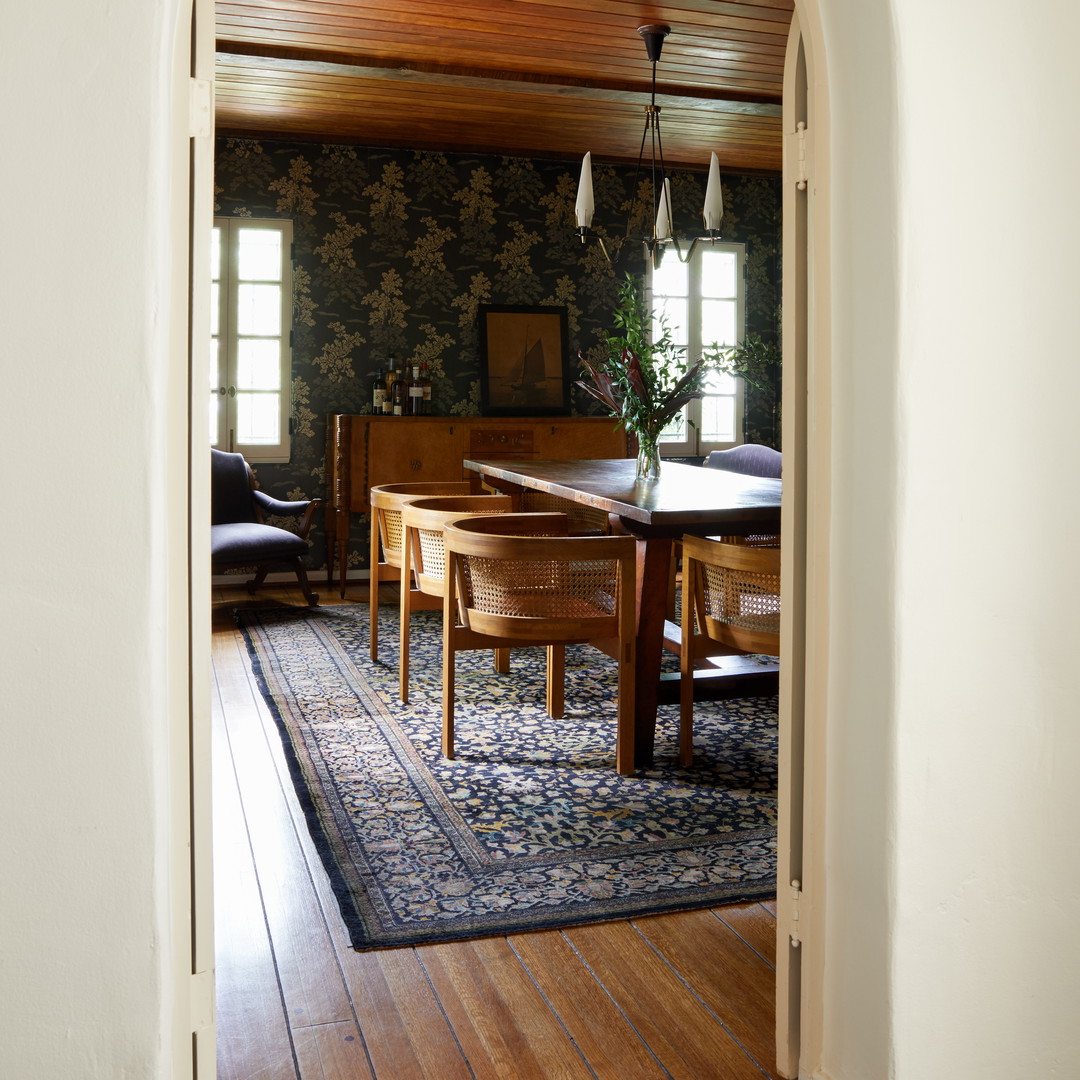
685, 499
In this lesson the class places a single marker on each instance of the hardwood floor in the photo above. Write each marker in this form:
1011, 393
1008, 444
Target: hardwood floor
686, 996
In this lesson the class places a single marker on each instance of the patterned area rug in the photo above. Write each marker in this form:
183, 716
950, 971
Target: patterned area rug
530, 827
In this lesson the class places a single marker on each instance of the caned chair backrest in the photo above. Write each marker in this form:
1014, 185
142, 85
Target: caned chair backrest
422, 522
734, 586
583, 520
513, 583
386, 501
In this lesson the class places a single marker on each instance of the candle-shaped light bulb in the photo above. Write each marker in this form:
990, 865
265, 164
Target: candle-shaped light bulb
714, 198
584, 207
663, 213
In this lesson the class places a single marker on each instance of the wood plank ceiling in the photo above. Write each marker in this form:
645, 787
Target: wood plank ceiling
532, 78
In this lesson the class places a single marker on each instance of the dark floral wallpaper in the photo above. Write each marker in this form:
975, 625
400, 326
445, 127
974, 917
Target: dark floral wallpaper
395, 251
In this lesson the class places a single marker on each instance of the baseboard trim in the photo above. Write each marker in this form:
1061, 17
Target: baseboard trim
285, 577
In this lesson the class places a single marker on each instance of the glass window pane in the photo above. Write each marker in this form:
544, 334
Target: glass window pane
260, 255
718, 273
258, 309
718, 419
718, 322
215, 364
676, 430
719, 382
215, 308
258, 364
677, 313
257, 418
671, 279
215, 253
215, 418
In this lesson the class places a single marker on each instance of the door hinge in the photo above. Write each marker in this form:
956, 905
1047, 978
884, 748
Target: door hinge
200, 108
802, 169
796, 914
202, 1001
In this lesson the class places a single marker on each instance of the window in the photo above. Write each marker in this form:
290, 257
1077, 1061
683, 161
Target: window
702, 301
251, 317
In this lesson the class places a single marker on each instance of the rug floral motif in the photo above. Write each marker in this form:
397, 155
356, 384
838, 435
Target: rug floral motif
530, 827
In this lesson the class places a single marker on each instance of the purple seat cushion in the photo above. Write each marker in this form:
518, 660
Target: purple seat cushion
246, 542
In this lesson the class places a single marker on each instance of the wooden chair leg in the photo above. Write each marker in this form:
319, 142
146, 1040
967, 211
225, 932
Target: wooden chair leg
258, 579
373, 587
448, 673
404, 612
625, 741
686, 667
301, 576
556, 681
502, 661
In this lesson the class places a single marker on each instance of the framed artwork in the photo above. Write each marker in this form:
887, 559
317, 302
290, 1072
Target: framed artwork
524, 361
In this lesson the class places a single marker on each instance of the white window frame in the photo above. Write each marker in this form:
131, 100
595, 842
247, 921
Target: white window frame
225, 392
693, 445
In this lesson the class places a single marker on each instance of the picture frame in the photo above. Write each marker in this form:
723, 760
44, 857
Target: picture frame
524, 360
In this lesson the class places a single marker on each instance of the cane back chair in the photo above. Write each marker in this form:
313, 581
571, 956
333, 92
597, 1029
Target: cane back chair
506, 588
386, 501
423, 557
730, 604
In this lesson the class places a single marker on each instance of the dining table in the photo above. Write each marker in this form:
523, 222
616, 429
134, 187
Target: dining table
684, 499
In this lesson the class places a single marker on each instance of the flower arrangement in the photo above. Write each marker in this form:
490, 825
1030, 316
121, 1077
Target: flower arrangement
643, 381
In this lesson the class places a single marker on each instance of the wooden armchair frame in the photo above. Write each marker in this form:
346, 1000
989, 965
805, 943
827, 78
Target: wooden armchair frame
423, 561
730, 604
386, 501
492, 599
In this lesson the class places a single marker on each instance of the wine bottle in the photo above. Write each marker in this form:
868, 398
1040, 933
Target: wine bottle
391, 374
416, 393
378, 391
399, 393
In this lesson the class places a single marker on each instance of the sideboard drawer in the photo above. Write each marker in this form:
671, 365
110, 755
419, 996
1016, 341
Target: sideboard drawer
501, 442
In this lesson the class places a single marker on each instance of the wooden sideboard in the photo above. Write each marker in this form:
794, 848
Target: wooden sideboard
363, 451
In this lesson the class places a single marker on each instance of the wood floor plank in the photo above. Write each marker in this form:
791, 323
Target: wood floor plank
755, 924
730, 978
332, 1052
406, 1032
502, 1022
253, 1037
308, 970
611, 1046
687, 1039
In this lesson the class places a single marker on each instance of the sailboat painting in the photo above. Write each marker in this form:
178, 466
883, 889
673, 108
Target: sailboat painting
524, 361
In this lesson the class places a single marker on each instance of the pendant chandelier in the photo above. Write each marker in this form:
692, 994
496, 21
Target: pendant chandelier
661, 232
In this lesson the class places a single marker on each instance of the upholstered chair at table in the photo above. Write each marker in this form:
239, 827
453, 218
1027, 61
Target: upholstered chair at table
423, 558
750, 459
730, 605
386, 501
240, 537
504, 587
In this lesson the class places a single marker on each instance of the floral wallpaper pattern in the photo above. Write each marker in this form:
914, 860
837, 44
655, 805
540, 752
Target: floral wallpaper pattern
395, 250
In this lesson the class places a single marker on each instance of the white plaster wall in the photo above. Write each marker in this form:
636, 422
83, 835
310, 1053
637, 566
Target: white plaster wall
953, 891
90, 553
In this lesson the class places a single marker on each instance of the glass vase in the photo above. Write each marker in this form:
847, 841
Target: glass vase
648, 457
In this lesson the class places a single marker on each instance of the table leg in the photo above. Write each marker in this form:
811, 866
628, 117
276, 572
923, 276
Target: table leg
653, 568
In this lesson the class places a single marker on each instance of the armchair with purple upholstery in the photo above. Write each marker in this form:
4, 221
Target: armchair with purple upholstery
750, 459
238, 533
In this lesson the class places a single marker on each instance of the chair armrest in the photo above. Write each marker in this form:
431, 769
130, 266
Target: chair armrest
306, 507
